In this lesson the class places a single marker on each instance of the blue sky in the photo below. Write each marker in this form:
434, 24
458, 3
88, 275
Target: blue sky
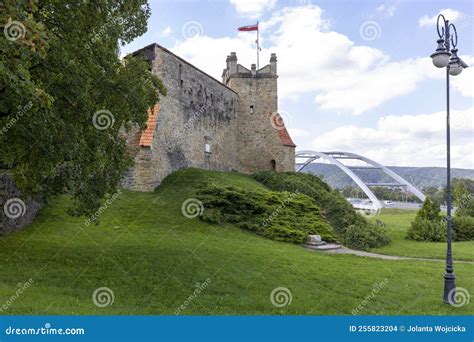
354, 75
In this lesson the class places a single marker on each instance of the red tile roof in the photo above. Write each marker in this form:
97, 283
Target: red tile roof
147, 135
279, 125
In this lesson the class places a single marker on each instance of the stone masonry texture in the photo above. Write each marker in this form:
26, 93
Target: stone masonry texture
209, 124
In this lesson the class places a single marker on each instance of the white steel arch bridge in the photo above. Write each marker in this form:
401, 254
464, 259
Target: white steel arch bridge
335, 157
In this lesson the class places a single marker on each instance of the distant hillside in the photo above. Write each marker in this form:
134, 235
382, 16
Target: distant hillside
419, 176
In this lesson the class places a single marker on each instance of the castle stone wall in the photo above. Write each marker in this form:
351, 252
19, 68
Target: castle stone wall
208, 124
197, 110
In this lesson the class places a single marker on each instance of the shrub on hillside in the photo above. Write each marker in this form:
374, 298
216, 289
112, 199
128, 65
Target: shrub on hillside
428, 224
423, 229
463, 228
370, 236
429, 211
281, 216
337, 210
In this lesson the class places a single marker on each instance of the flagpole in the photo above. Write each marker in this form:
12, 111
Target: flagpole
258, 48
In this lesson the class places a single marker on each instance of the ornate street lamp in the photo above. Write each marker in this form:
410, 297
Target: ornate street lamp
445, 57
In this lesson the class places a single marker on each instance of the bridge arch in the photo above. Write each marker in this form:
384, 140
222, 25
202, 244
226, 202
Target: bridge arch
334, 158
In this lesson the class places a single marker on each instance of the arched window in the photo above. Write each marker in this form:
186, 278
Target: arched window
273, 165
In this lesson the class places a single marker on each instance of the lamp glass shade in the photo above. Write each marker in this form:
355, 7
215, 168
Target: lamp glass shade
440, 59
454, 69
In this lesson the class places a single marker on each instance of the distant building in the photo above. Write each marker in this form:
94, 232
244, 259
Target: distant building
208, 124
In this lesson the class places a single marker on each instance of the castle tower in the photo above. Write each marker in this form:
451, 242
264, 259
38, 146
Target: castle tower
263, 141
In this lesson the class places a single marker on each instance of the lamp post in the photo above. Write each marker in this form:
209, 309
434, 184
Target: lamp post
446, 56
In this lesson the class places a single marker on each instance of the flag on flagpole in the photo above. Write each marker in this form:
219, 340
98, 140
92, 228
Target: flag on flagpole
249, 28
253, 28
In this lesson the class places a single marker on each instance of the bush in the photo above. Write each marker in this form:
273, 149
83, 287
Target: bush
371, 236
466, 206
429, 211
334, 207
423, 229
280, 216
436, 230
463, 228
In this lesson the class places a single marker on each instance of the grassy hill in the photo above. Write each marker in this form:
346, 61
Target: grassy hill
153, 259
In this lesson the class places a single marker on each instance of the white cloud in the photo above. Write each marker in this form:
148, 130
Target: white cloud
252, 8
312, 59
166, 32
388, 10
408, 140
464, 83
450, 14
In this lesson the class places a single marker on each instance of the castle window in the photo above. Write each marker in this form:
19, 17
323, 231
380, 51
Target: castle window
251, 109
207, 145
179, 75
273, 165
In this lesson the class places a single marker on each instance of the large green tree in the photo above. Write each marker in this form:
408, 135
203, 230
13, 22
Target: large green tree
66, 95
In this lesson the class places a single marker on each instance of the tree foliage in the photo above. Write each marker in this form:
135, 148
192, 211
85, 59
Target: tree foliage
428, 224
429, 211
66, 96
461, 189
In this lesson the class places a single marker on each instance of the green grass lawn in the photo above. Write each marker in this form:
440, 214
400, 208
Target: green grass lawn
398, 222
153, 258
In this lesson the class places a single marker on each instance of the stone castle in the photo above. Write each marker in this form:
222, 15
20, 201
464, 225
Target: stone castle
208, 124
